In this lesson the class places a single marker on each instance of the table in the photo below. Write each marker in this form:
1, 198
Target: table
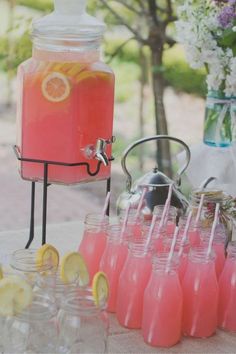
66, 237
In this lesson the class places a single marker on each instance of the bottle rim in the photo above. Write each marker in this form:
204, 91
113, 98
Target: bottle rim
80, 302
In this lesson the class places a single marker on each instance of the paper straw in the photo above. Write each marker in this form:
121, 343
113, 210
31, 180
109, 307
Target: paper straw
213, 229
125, 221
199, 210
140, 203
166, 207
106, 204
185, 234
151, 229
172, 248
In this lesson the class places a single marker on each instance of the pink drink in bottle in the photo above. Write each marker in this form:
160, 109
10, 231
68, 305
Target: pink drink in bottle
163, 304
132, 283
93, 243
227, 291
200, 294
134, 224
112, 263
218, 246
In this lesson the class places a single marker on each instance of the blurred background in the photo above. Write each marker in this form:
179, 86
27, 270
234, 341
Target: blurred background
149, 67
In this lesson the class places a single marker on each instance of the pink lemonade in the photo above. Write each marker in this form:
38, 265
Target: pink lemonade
194, 236
112, 262
56, 120
227, 292
132, 283
92, 247
200, 295
93, 243
162, 306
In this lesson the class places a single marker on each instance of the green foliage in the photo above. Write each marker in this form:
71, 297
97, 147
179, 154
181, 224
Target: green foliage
126, 76
42, 5
180, 76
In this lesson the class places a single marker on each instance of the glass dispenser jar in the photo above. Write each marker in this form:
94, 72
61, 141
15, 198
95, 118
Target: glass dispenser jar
66, 98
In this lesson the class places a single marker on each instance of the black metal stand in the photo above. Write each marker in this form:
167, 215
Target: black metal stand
46, 165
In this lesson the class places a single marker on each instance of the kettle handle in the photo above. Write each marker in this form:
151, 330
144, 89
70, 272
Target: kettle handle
144, 140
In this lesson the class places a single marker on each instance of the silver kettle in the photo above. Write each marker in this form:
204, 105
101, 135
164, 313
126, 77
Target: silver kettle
155, 182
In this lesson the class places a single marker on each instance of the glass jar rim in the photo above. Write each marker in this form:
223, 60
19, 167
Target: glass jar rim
42, 308
25, 260
80, 301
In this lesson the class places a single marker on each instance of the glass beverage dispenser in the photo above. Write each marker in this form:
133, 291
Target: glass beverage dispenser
66, 98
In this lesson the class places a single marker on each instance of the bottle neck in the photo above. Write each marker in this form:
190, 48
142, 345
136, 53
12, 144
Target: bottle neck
47, 54
114, 234
96, 222
139, 248
161, 264
200, 255
220, 236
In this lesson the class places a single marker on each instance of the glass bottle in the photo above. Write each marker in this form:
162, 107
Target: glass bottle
170, 220
162, 304
82, 326
24, 263
227, 291
194, 231
219, 244
34, 330
112, 262
200, 294
132, 283
182, 248
93, 243
55, 118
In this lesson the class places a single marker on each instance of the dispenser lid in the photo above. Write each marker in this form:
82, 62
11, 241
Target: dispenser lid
69, 20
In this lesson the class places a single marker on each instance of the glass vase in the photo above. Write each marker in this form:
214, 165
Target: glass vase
219, 122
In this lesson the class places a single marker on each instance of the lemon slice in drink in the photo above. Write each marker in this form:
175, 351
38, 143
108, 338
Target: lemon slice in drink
73, 267
15, 295
56, 87
47, 255
100, 289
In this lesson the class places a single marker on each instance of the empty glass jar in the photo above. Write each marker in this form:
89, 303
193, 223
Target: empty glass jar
82, 326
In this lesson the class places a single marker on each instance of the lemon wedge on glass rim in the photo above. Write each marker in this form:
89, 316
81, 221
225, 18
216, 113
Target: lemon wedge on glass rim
15, 295
100, 289
73, 268
47, 255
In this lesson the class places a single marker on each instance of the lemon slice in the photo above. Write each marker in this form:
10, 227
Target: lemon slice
100, 289
56, 87
15, 295
73, 267
47, 255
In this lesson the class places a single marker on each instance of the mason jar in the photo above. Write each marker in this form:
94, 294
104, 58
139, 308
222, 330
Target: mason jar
82, 326
34, 330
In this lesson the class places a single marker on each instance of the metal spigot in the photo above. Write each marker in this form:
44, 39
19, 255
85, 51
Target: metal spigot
100, 151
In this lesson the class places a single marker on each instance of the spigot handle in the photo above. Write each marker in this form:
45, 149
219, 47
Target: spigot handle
150, 138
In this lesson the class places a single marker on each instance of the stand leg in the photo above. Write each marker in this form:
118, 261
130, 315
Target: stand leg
108, 190
44, 219
31, 234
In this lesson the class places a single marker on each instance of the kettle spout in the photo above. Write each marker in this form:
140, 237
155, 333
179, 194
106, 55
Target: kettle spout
101, 156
